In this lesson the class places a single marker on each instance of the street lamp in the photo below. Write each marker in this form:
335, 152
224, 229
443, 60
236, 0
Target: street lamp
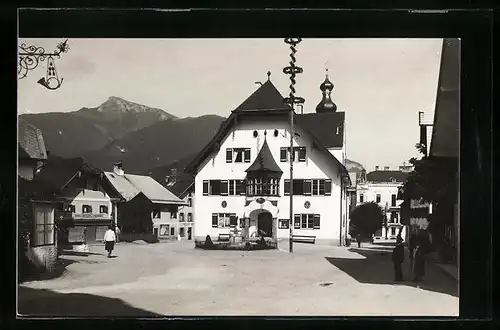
292, 70
31, 56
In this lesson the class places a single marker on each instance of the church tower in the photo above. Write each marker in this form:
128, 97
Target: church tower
326, 104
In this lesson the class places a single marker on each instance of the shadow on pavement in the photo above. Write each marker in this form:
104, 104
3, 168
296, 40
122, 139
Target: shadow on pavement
39, 274
76, 253
47, 303
377, 268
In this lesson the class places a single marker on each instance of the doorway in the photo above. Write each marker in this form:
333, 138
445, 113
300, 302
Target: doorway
189, 232
265, 224
181, 232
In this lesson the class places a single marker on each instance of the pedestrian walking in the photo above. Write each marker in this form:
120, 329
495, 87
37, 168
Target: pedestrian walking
398, 254
109, 240
117, 232
412, 242
419, 262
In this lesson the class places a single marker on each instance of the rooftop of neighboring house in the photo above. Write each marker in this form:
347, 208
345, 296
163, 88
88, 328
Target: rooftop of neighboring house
180, 185
34, 190
130, 185
445, 136
30, 142
386, 176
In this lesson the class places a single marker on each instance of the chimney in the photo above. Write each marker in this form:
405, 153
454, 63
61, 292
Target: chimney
376, 168
118, 168
386, 168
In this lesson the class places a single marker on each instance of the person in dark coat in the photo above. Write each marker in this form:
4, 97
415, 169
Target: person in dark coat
419, 261
398, 254
412, 244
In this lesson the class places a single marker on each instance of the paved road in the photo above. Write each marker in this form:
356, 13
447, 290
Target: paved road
176, 279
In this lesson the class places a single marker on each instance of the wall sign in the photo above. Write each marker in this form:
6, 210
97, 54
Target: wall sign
224, 204
307, 204
284, 224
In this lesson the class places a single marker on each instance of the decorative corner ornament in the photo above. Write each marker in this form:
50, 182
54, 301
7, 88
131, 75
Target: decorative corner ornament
31, 56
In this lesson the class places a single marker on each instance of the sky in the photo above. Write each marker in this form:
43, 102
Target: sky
380, 84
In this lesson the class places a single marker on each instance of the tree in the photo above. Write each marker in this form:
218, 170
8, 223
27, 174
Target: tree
366, 219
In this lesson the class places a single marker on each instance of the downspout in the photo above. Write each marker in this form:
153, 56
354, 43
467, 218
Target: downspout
341, 192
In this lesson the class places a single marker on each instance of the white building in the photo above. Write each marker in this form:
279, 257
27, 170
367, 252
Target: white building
183, 187
242, 177
382, 187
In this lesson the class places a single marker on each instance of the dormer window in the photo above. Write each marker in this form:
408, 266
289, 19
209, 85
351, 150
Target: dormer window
238, 155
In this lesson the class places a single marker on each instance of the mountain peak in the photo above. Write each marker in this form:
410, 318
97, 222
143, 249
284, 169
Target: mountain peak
117, 104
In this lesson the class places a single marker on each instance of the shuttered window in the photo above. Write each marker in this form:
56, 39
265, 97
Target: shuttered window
215, 220
307, 187
316, 221
229, 155
224, 187
302, 154
328, 187
205, 187
247, 155
233, 220
240, 187
296, 221
287, 187
283, 154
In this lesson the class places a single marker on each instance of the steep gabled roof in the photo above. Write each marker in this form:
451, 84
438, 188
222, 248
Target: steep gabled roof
30, 140
267, 97
57, 172
130, 185
324, 125
264, 162
268, 101
386, 176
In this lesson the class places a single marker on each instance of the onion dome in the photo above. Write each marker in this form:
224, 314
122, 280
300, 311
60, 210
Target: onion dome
326, 104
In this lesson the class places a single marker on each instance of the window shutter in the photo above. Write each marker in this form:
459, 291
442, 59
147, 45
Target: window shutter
287, 187
205, 187
242, 187
296, 222
283, 154
307, 187
302, 154
233, 220
215, 220
247, 155
316, 221
229, 155
328, 187
224, 187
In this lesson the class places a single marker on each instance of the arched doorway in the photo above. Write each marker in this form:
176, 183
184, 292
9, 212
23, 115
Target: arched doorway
265, 224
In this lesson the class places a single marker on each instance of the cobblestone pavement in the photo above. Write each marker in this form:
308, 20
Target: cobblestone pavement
176, 279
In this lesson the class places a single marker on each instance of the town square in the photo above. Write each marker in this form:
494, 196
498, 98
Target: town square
279, 190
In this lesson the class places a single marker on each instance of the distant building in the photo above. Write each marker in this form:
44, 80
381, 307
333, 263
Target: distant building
87, 200
146, 207
242, 177
381, 187
182, 185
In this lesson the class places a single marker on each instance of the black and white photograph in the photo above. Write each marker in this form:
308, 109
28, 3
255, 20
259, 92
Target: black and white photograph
238, 177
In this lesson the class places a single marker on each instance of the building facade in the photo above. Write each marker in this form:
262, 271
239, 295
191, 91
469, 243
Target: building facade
145, 207
36, 202
242, 177
382, 187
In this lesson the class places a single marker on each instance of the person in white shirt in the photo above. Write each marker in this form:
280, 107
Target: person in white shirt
109, 240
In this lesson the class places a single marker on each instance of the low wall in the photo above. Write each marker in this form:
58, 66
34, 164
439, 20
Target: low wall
44, 256
130, 237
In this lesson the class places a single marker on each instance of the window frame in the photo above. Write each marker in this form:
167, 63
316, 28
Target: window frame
89, 207
307, 221
105, 207
378, 198
48, 226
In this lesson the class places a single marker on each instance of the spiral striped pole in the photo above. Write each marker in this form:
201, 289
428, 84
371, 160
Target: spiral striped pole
292, 100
